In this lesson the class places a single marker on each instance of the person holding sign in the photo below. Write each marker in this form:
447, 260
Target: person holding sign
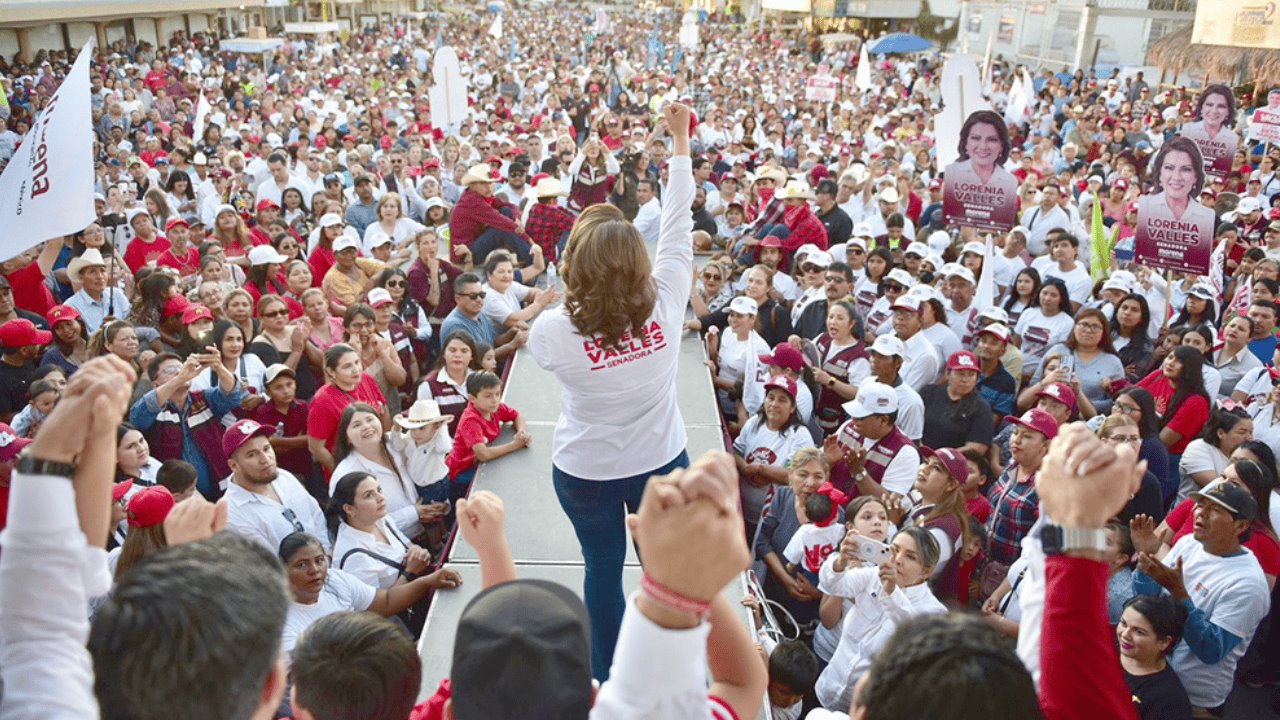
977, 190
1213, 130
1174, 230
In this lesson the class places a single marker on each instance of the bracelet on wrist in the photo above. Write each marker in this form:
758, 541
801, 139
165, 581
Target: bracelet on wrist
673, 600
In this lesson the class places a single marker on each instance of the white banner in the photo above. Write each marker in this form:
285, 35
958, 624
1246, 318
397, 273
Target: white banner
47, 189
863, 78
448, 97
202, 116
822, 88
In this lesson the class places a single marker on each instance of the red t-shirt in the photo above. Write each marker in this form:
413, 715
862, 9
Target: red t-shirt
1182, 520
474, 429
1191, 415
330, 401
979, 508
186, 266
298, 460
141, 253
29, 291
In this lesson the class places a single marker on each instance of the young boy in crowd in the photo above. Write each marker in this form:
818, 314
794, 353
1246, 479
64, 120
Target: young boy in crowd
288, 415
423, 443
480, 425
793, 669
44, 395
179, 476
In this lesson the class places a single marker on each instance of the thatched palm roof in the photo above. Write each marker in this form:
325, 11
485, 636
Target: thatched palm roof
1220, 63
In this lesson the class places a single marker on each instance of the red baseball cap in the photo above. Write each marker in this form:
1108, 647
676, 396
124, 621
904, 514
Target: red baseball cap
120, 489
149, 506
21, 333
1039, 421
783, 383
176, 305
784, 356
951, 459
10, 443
174, 222
1060, 392
195, 313
241, 432
254, 140
963, 360
59, 313
430, 163
493, 159
771, 241
267, 204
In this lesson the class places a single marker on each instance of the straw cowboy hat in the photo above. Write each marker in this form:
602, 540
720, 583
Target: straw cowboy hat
548, 187
420, 414
478, 174
795, 190
772, 173
89, 258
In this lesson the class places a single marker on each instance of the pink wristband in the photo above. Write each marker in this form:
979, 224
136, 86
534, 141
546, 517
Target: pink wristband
673, 600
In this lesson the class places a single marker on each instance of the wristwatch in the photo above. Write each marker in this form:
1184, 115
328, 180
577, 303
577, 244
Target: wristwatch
831, 382
1059, 540
30, 465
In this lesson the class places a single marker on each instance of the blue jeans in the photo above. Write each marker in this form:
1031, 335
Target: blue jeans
495, 239
597, 509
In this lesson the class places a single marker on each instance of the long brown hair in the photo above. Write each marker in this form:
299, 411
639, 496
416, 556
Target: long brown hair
609, 288
139, 543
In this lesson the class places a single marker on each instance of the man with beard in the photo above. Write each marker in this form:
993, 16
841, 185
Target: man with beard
838, 285
702, 219
265, 503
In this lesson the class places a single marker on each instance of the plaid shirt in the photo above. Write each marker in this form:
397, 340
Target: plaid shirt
805, 228
547, 222
1015, 509
476, 213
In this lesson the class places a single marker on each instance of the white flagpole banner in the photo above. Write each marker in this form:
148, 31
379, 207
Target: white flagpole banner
202, 116
863, 77
47, 189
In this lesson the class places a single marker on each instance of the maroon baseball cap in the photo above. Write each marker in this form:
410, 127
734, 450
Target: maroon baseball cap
1039, 421
176, 305
241, 432
149, 506
1061, 392
783, 383
784, 356
10, 443
22, 332
196, 312
951, 459
963, 360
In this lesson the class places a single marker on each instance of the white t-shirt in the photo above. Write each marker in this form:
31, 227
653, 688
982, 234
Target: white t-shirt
1039, 333
1079, 283
342, 593
921, 366
359, 565
757, 444
1256, 386
810, 545
944, 340
249, 370
1232, 592
1199, 457
621, 402
499, 305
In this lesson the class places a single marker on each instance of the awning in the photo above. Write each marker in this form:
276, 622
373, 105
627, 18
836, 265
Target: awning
250, 45
312, 28
877, 9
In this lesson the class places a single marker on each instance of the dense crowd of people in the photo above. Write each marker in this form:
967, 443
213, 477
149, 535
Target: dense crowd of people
273, 364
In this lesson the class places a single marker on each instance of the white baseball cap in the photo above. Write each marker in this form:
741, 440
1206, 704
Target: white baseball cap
908, 302
889, 345
974, 247
345, 242
900, 276
863, 230
379, 297
963, 273
743, 305
874, 398
265, 255
917, 248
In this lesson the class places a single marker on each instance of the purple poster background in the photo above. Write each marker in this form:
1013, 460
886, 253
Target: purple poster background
968, 200
1165, 241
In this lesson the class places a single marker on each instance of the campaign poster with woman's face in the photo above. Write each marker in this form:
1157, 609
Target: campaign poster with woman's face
1175, 231
976, 189
1213, 129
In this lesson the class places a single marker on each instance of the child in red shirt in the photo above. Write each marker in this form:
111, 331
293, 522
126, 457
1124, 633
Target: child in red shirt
479, 425
288, 415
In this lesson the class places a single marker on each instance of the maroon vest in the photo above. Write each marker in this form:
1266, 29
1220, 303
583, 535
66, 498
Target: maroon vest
205, 429
829, 411
944, 583
877, 461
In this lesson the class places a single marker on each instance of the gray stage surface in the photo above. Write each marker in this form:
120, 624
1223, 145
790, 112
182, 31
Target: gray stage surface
542, 540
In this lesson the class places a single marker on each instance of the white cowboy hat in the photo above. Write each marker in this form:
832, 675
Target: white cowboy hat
91, 257
421, 413
795, 190
548, 187
477, 174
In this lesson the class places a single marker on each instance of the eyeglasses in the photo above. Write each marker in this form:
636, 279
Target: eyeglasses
1127, 409
856, 251
1091, 327
1126, 439
275, 313
395, 283
710, 276
297, 526
358, 326
891, 288
473, 296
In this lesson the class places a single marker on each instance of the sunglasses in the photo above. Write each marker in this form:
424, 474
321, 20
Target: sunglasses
395, 283
474, 296
275, 313
809, 268
710, 276
892, 288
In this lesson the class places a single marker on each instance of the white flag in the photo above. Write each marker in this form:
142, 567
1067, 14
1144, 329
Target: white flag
863, 78
202, 116
47, 189
495, 30
448, 96
985, 296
